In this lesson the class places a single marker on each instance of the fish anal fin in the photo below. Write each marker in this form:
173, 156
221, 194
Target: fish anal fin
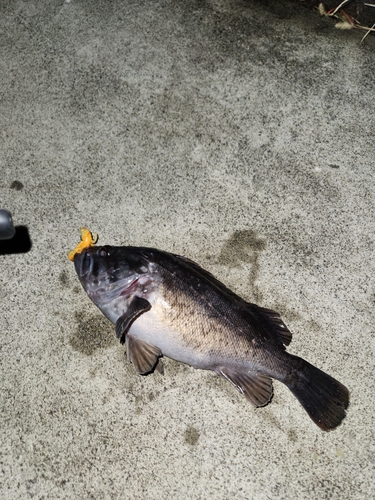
255, 386
144, 356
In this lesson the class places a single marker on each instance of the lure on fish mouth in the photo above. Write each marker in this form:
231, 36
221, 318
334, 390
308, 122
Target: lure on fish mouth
88, 239
167, 305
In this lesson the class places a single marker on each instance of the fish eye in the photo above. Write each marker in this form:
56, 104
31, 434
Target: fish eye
103, 253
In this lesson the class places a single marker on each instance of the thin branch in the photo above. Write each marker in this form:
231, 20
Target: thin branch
368, 31
339, 7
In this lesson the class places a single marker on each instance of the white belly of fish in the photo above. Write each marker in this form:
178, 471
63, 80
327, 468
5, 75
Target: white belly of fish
148, 327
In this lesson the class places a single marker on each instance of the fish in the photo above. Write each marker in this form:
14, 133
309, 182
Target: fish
164, 304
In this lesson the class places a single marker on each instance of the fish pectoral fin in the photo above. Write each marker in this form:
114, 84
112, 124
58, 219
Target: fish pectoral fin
255, 386
137, 307
144, 356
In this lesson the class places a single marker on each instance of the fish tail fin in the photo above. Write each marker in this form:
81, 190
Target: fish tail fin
324, 398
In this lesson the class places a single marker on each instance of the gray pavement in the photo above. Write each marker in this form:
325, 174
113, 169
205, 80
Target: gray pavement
239, 134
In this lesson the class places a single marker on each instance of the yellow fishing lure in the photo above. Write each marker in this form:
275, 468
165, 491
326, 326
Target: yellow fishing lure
88, 239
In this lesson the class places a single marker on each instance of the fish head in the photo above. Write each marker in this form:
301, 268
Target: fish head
112, 276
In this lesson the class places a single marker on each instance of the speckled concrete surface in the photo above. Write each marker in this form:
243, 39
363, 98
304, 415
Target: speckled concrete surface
239, 134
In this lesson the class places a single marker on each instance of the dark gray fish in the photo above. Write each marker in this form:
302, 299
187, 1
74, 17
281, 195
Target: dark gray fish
167, 305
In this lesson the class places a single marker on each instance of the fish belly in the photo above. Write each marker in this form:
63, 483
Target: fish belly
149, 328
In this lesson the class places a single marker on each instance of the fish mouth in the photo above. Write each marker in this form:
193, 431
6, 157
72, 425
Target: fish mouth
83, 263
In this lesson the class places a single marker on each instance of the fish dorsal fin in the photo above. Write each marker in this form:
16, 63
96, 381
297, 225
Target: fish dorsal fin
207, 275
144, 356
255, 386
269, 320
272, 322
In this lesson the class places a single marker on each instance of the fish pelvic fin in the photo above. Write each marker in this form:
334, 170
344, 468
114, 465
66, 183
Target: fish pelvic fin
323, 397
255, 386
144, 356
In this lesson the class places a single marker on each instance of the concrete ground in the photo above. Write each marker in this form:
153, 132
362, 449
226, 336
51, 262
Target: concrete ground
237, 133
